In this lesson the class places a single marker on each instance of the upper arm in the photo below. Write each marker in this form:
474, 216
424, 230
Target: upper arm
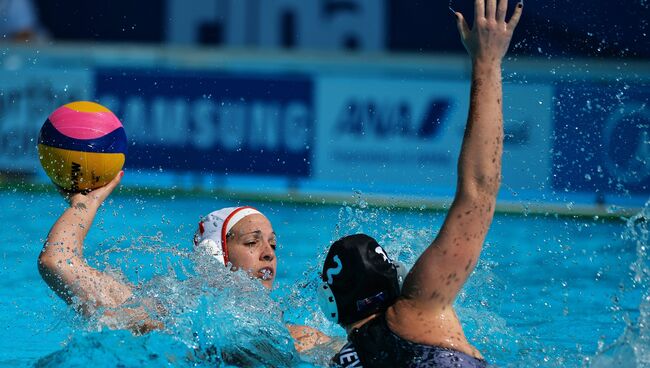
440, 272
79, 284
62, 263
306, 337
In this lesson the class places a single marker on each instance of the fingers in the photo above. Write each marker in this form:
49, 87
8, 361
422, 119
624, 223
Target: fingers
479, 9
490, 11
115, 182
101, 193
514, 20
463, 28
502, 10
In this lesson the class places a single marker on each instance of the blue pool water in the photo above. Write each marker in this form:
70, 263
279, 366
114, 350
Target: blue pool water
548, 292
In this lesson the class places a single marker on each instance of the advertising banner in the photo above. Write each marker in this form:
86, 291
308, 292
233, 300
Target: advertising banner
602, 138
401, 133
204, 121
27, 98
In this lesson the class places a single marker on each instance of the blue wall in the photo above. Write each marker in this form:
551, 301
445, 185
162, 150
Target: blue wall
549, 28
602, 138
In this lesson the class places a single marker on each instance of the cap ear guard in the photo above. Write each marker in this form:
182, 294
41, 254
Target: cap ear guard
402, 272
327, 302
211, 247
214, 228
369, 283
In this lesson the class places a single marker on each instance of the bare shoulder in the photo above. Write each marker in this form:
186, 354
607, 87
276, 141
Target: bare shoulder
306, 337
436, 327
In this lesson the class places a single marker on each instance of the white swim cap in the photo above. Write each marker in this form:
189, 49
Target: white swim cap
214, 227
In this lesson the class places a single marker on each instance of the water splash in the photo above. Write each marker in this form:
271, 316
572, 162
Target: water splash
405, 241
301, 301
210, 316
632, 349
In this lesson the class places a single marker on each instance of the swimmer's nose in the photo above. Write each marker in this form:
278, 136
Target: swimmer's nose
268, 254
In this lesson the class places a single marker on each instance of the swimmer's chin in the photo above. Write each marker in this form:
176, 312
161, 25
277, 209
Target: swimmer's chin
268, 283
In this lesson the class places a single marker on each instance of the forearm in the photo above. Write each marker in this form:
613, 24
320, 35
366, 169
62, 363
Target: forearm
66, 238
441, 271
479, 164
64, 268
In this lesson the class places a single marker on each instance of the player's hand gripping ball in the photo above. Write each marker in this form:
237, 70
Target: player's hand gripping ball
82, 146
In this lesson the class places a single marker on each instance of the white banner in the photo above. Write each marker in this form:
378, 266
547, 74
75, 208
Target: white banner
383, 132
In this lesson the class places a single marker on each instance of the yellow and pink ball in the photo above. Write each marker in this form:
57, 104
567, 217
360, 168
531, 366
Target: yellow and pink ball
82, 146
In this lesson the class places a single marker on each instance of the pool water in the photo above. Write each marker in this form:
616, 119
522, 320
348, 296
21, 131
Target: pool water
549, 291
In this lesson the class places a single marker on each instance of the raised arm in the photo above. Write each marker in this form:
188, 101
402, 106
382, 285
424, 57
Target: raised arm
443, 268
63, 266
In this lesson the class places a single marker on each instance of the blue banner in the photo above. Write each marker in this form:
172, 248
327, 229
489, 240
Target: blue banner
205, 121
602, 138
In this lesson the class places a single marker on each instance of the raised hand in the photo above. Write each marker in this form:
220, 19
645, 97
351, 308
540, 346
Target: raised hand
62, 264
96, 196
489, 38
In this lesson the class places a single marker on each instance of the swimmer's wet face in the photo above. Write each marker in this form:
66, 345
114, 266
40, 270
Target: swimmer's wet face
251, 247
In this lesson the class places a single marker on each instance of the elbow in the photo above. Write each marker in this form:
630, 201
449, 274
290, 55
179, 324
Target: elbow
50, 266
50, 261
489, 184
46, 263
480, 187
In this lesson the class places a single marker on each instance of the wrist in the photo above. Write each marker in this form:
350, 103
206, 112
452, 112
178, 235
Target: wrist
80, 201
486, 64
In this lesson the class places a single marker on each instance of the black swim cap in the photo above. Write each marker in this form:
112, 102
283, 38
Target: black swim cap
361, 277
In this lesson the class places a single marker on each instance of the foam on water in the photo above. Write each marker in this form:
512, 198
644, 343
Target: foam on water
632, 348
479, 304
405, 243
209, 312
211, 317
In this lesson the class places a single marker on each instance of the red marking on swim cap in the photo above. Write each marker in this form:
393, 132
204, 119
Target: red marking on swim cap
224, 233
201, 231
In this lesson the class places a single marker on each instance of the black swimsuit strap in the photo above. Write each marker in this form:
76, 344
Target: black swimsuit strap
377, 346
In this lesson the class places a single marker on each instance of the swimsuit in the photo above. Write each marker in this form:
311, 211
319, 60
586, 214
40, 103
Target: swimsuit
375, 345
